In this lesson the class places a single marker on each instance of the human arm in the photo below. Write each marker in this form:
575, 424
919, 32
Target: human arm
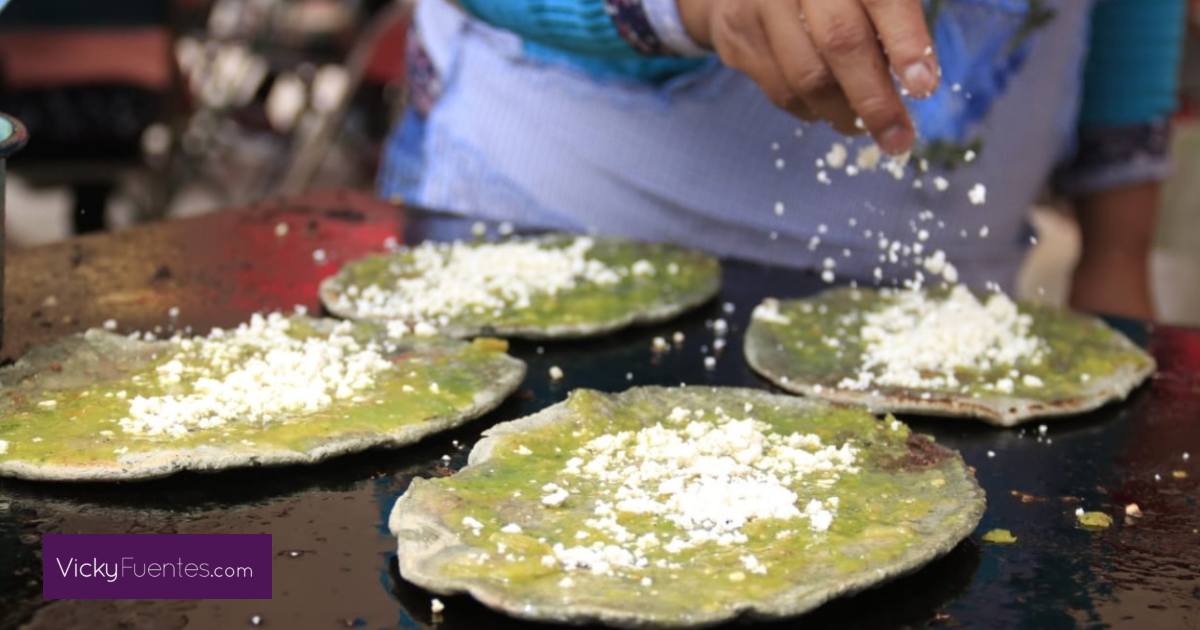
1130, 85
835, 63
826, 60
1117, 229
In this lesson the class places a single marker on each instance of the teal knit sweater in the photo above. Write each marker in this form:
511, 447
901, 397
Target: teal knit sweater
1131, 75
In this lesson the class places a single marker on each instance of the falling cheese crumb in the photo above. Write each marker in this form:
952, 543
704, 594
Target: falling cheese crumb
556, 373
436, 606
868, 157
836, 157
978, 194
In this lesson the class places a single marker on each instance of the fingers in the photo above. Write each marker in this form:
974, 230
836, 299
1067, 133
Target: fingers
740, 40
846, 40
802, 68
905, 35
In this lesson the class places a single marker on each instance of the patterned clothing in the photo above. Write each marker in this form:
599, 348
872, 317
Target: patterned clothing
542, 129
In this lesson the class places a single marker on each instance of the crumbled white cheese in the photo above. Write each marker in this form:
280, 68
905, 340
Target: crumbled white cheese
281, 229
3, 447
778, 208
110, 324
710, 363
836, 157
445, 280
523, 450
1029, 380
254, 374
919, 341
557, 495
660, 345
319, 256
753, 565
708, 475
556, 373
768, 311
511, 528
473, 523
868, 157
436, 606
642, 268
978, 194
941, 183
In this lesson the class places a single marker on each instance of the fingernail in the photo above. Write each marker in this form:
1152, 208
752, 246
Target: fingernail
920, 78
896, 139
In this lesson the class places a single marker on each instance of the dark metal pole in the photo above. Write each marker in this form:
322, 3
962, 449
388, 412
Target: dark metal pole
12, 138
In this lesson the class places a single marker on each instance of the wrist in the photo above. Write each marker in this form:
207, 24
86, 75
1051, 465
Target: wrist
695, 17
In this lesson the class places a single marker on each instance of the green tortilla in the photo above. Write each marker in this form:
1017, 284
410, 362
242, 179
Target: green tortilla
79, 438
1087, 363
910, 502
682, 279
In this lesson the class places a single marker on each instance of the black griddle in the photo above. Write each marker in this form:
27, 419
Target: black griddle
335, 563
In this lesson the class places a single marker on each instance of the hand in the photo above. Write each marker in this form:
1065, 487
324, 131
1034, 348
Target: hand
826, 59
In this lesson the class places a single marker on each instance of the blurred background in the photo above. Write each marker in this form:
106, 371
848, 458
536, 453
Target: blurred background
145, 110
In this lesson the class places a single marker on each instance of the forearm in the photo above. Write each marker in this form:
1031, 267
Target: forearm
1113, 273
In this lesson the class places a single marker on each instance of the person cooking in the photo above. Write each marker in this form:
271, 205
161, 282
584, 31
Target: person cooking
730, 125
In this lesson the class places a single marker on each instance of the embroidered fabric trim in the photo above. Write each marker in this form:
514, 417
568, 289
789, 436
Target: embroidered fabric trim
634, 26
